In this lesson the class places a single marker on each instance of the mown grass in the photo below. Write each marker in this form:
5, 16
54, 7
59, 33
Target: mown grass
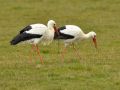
96, 70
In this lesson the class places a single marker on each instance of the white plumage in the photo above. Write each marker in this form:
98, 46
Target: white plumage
36, 33
72, 33
38, 29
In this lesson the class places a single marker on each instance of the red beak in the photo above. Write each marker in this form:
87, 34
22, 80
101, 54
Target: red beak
56, 30
95, 41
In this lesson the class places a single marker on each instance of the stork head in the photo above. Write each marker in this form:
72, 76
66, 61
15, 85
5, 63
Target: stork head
93, 35
52, 24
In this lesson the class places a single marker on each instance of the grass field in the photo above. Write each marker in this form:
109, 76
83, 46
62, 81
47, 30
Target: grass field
96, 70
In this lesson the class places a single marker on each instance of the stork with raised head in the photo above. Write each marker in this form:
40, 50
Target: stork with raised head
72, 33
36, 33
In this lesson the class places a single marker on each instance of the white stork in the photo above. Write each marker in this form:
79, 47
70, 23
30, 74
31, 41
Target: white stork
36, 33
72, 33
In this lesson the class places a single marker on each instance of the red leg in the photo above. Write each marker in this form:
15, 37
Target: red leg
76, 52
63, 53
32, 50
33, 47
38, 52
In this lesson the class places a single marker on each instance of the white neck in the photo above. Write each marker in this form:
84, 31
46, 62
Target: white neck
50, 27
86, 36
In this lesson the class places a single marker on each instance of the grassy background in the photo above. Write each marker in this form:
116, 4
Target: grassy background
96, 70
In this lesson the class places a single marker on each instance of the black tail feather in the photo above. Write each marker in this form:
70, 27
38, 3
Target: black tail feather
63, 36
15, 40
23, 37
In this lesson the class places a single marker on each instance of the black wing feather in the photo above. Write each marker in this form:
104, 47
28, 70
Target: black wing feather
23, 37
27, 28
62, 35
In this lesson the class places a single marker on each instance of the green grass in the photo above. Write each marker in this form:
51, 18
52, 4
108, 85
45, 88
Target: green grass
96, 70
